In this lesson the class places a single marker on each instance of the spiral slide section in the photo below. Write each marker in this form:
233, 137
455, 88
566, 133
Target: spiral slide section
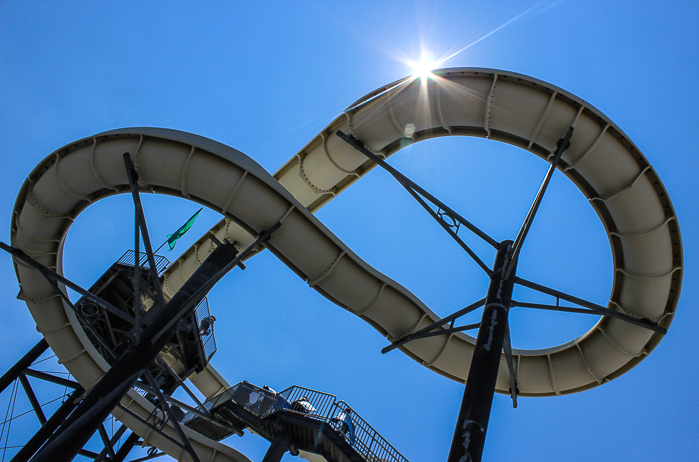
602, 162
183, 165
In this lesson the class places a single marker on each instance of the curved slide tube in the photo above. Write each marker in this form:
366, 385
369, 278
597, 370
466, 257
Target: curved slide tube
184, 165
609, 169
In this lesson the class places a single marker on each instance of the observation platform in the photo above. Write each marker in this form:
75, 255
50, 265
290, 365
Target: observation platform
191, 347
313, 421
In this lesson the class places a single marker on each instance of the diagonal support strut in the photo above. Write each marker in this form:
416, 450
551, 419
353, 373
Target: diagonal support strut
414, 189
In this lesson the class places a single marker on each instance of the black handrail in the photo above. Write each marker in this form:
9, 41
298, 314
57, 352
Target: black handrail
129, 259
338, 414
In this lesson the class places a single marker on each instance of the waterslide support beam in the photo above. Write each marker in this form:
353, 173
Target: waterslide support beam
563, 144
645, 323
137, 278
203, 413
113, 441
209, 284
141, 229
165, 406
593, 308
53, 379
32, 398
472, 423
421, 333
105, 440
80, 316
127, 447
49, 273
47, 429
277, 449
413, 188
156, 428
105, 395
201, 408
507, 348
32, 355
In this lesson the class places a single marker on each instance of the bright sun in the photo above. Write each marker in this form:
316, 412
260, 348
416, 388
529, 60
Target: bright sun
424, 67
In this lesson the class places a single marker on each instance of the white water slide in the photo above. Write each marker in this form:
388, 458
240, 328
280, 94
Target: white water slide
617, 179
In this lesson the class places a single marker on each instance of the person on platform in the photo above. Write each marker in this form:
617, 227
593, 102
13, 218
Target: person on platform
346, 426
302, 405
207, 325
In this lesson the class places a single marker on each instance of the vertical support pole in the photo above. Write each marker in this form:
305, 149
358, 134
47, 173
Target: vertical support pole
277, 449
472, 423
26, 361
137, 281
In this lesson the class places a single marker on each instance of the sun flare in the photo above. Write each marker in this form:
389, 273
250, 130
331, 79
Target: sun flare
424, 67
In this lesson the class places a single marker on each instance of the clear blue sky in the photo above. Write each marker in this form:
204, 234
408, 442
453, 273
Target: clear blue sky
265, 77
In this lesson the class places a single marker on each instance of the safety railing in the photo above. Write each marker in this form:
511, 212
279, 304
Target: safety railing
206, 328
202, 314
257, 400
129, 259
362, 436
322, 406
312, 403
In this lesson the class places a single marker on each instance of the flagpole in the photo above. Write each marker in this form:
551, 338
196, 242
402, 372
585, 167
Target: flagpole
161, 246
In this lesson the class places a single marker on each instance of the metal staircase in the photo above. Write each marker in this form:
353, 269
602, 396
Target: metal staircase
310, 421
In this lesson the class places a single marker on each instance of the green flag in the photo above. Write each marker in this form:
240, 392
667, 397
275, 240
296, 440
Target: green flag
172, 238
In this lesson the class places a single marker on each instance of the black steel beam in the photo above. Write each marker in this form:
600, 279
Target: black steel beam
593, 308
201, 292
441, 322
156, 428
49, 273
32, 398
51, 378
40, 437
277, 449
86, 453
407, 182
200, 407
113, 441
165, 406
507, 348
438, 218
201, 412
642, 322
105, 440
472, 422
105, 395
126, 448
26, 361
563, 144
141, 224
81, 317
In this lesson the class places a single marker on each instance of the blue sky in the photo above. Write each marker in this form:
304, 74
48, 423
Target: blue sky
265, 77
